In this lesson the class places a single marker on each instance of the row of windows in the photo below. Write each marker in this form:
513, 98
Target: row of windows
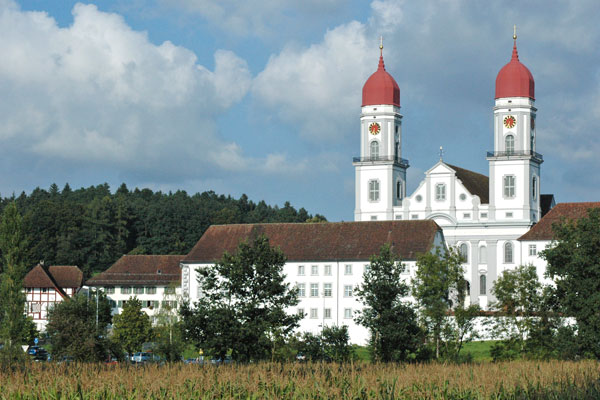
314, 313
509, 182
314, 270
138, 290
327, 290
146, 304
508, 252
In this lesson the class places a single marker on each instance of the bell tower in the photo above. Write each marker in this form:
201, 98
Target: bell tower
514, 164
380, 169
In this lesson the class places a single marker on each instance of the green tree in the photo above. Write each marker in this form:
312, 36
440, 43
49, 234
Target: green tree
440, 290
168, 334
574, 265
132, 327
395, 335
243, 307
13, 323
77, 327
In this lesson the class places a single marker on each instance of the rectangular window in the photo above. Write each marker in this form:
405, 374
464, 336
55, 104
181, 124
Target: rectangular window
314, 270
373, 217
327, 270
109, 289
125, 290
483, 215
509, 215
300, 312
373, 190
347, 313
367, 268
151, 290
532, 250
414, 216
327, 313
314, 290
301, 289
467, 215
348, 269
120, 304
327, 289
440, 192
300, 270
169, 290
138, 290
509, 186
398, 217
347, 290
314, 313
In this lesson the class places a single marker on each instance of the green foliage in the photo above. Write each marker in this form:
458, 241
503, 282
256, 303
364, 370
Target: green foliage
14, 325
92, 227
574, 265
440, 290
243, 308
333, 344
168, 335
77, 327
132, 327
395, 335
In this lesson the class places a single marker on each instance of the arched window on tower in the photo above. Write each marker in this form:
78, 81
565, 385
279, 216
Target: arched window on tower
482, 285
374, 149
396, 149
534, 188
508, 253
509, 144
398, 190
464, 252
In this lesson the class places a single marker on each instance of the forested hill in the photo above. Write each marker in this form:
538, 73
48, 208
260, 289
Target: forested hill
92, 227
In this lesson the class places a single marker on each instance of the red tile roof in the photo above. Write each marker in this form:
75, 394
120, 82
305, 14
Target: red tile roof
321, 241
38, 278
66, 276
474, 182
58, 277
567, 211
137, 270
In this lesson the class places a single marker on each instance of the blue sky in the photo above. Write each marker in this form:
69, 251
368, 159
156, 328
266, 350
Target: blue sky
263, 97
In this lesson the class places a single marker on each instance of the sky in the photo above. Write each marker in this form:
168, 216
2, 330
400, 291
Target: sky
263, 97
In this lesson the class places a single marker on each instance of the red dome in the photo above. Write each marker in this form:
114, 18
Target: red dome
514, 79
381, 88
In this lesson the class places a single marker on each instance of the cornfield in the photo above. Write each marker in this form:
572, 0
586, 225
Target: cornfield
510, 380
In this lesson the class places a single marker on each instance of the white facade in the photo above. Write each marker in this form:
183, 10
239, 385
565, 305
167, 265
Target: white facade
40, 300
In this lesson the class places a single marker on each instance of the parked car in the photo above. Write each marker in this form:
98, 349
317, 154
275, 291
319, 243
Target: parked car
38, 353
218, 361
143, 357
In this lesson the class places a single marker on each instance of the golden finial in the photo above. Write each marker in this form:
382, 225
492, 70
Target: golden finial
380, 42
515, 33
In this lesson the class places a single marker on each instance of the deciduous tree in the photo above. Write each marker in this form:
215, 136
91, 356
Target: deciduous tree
132, 327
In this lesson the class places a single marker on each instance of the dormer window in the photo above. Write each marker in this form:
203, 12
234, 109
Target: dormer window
158, 271
440, 192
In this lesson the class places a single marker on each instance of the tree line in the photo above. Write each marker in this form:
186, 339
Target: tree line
92, 227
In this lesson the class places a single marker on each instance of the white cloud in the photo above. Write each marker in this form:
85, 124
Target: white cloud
99, 91
319, 87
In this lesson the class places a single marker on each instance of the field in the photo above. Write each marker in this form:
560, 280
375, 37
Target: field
361, 380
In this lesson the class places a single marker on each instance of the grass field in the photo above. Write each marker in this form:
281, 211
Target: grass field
360, 380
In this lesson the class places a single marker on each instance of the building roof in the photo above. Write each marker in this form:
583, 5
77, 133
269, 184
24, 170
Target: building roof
514, 79
321, 241
381, 88
475, 183
137, 270
562, 211
58, 277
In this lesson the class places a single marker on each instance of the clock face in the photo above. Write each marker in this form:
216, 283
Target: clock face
374, 128
510, 121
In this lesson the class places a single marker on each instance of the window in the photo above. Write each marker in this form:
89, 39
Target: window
113, 304
509, 144
398, 217
327, 270
464, 252
467, 215
151, 290
314, 270
109, 289
125, 290
347, 313
508, 253
414, 216
483, 215
367, 268
348, 269
509, 186
327, 289
327, 313
347, 290
138, 290
150, 304
314, 290
373, 190
44, 290
532, 250
482, 285
28, 290
300, 312
169, 290
534, 188
483, 255
462, 196
169, 304
300, 269
509, 215
301, 289
373, 217
314, 313
398, 190
440, 192
374, 149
